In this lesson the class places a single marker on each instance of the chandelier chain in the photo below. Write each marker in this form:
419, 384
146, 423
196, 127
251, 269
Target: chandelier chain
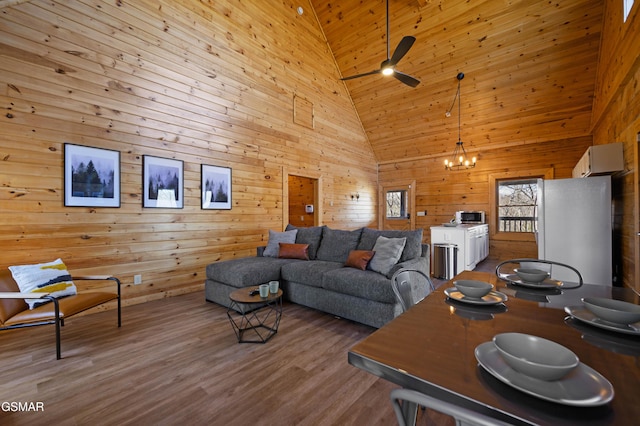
460, 160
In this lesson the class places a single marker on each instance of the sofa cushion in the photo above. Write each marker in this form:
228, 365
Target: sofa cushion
309, 273
247, 271
412, 249
336, 244
275, 238
294, 251
388, 252
359, 259
50, 277
364, 284
311, 235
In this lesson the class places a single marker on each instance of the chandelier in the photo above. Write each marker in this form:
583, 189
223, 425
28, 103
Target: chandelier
460, 160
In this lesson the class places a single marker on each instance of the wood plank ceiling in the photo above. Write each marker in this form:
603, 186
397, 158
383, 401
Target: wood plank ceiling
529, 68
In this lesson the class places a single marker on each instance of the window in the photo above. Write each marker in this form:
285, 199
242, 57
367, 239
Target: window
397, 204
517, 205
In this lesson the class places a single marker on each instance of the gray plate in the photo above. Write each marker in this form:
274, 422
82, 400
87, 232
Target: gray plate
493, 298
583, 314
583, 387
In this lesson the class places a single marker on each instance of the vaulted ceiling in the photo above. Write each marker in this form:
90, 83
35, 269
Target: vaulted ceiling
529, 68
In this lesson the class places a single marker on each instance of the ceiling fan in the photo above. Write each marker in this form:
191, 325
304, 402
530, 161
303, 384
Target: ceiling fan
387, 67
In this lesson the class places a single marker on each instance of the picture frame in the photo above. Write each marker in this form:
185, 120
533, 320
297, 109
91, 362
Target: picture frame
216, 187
91, 176
162, 182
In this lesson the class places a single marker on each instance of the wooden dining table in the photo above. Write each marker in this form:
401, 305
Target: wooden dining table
431, 348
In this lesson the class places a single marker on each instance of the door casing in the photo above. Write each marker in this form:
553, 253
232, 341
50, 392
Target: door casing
397, 224
317, 202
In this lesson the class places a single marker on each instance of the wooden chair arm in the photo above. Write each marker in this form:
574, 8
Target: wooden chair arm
20, 295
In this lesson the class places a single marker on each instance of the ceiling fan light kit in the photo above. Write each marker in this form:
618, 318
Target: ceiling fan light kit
387, 71
388, 66
460, 160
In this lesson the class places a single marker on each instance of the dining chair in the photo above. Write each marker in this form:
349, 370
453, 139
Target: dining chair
409, 286
556, 270
461, 415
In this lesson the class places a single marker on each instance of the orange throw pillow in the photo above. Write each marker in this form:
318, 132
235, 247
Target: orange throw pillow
294, 251
359, 259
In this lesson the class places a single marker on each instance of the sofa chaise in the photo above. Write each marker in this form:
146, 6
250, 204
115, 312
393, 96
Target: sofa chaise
343, 273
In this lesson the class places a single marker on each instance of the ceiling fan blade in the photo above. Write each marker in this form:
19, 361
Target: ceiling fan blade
362, 75
406, 79
402, 49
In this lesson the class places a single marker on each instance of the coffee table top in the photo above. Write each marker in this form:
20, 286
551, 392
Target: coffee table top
242, 295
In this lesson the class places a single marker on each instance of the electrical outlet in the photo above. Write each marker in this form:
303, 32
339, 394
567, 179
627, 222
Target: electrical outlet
137, 279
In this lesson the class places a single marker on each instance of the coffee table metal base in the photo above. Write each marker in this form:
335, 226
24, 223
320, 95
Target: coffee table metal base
256, 320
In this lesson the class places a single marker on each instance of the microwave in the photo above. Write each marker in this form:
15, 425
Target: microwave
470, 217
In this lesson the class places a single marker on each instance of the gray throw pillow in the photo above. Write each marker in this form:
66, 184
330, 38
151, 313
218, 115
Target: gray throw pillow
388, 252
275, 238
412, 249
336, 244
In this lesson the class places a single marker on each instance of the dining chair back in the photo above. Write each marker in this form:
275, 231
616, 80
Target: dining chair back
556, 270
461, 415
410, 286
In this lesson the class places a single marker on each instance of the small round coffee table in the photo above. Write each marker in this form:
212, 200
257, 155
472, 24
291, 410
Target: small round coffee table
259, 317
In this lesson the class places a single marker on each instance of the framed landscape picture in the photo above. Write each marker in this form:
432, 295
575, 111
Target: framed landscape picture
91, 176
162, 182
216, 187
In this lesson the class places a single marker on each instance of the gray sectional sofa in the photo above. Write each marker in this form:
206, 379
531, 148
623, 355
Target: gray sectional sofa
324, 282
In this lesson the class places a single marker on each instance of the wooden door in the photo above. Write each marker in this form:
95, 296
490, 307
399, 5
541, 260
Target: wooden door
302, 196
397, 206
299, 189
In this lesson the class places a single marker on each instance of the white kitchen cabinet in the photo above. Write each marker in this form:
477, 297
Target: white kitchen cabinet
472, 242
598, 159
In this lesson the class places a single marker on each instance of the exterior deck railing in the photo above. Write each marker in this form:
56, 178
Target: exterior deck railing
517, 224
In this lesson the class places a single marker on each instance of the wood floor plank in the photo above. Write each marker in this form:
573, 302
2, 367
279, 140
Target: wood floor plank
177, 360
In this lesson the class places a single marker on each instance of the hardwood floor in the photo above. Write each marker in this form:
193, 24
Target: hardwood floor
177, 361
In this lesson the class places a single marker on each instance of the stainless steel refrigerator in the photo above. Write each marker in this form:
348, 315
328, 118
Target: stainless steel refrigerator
575, 225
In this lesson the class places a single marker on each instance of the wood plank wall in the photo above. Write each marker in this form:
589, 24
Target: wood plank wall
202, 82
616, 118
441, 193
